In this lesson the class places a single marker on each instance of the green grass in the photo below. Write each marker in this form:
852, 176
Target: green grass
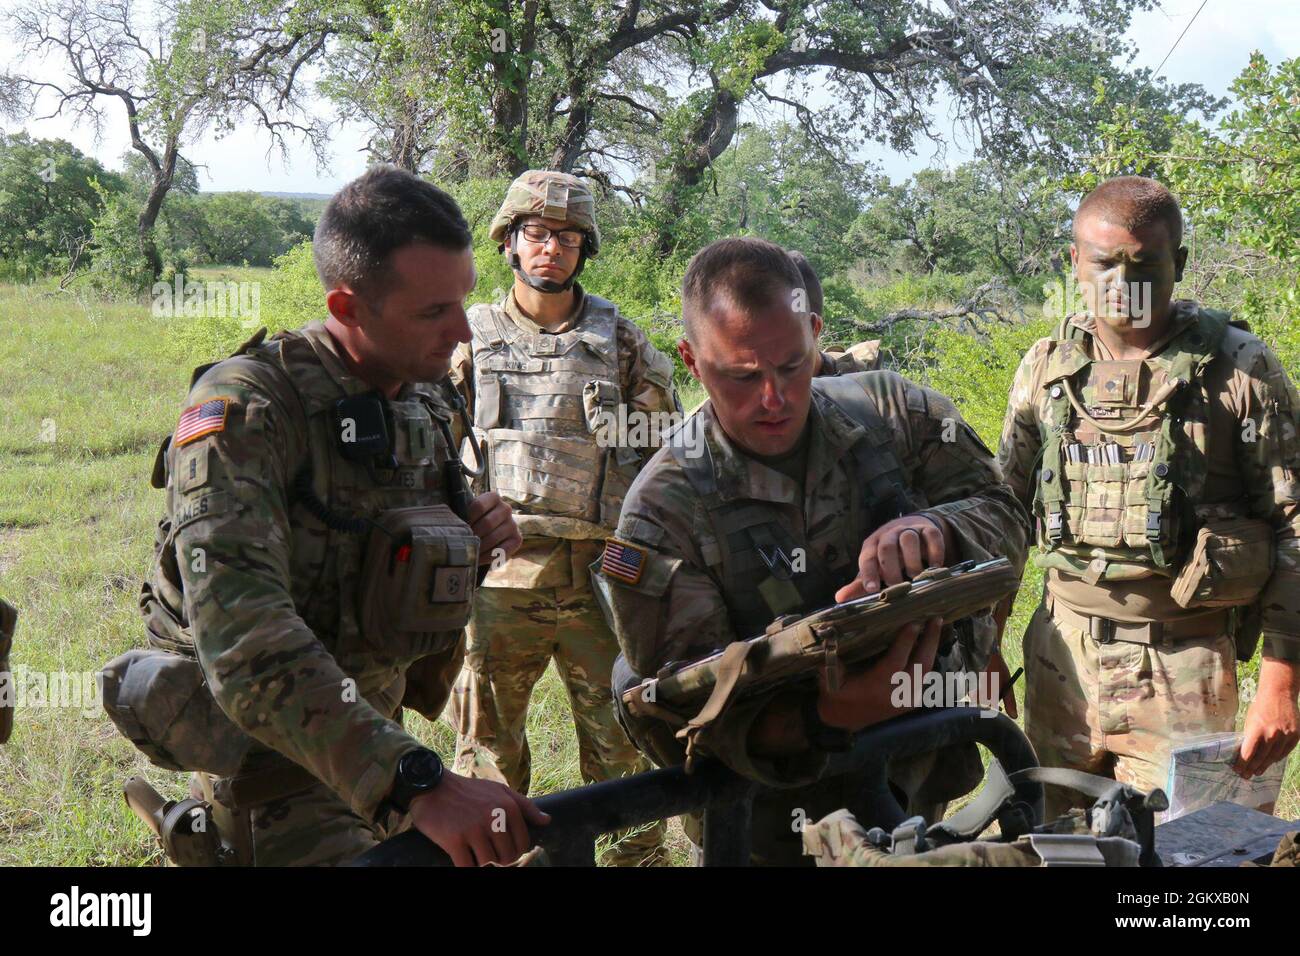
77, 517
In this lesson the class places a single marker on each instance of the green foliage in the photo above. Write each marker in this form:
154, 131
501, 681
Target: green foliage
974, 217
1239, 182
233, 227
288, 297
49, 199
976, 371
118, 267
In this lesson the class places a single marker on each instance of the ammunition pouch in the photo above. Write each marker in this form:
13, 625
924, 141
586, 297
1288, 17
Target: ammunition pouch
1229, 565
417, 581
160, 701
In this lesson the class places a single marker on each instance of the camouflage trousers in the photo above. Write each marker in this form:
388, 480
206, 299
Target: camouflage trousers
513, 635
310, 828
1118, 709
313, 827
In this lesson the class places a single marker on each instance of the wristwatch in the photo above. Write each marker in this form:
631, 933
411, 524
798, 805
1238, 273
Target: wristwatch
418, 772
822, 736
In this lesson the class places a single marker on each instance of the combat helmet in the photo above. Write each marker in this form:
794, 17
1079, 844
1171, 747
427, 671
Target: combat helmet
551, 195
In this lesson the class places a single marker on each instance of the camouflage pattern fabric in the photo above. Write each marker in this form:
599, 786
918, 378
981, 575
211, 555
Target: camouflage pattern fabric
268, 596
682, 607
1288, 851
309, 828
859, 357
839, 840
550, 195
1118, 709
1250, 431
516, 624
539, 398
514, 634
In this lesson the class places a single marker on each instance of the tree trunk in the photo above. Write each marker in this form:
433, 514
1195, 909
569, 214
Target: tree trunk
513, 75
567, 151
710, 134
162, 184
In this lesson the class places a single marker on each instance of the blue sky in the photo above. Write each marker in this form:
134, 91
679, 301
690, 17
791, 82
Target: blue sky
1212, 53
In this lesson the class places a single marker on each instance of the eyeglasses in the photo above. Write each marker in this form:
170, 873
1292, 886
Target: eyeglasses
569, 238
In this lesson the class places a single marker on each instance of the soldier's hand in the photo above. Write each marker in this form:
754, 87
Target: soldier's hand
492, 520
897, 551
476, 822
1272, 722
864, 698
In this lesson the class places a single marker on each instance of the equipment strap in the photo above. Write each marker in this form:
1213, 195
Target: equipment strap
257, 787
730, 667
974, 818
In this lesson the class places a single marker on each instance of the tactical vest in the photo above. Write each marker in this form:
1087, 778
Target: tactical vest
752, 560
1117, 482
539, 401
333, 507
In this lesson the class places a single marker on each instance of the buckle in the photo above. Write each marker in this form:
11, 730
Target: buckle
1153, 525
1054, 525
1101, 630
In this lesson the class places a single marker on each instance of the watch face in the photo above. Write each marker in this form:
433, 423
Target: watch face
421, 768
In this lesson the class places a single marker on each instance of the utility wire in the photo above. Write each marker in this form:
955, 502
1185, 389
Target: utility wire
1180, 38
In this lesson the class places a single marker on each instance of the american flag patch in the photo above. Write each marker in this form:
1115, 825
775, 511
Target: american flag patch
202, 419
623, 561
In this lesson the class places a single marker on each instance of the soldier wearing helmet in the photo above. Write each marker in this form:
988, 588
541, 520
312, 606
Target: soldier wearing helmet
550, 367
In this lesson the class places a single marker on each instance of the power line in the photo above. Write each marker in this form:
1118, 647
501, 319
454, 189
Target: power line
1180, 38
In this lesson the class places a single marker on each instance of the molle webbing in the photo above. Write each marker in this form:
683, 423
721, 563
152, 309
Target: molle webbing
741, 525
538, 398
1173, 474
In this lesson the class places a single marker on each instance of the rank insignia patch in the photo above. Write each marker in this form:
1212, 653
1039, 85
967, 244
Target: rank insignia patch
205, 418
623, 561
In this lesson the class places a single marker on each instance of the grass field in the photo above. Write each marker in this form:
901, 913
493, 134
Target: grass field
89, 389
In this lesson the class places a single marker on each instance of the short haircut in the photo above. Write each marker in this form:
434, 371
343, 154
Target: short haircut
810, 281
1133, 202
746, 273
377, 213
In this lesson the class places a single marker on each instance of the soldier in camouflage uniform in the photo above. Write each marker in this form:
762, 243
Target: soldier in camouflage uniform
547, 365
804, 493
319, 576
1127, 433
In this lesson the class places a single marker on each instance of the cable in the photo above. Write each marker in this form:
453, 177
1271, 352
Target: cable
1180, 38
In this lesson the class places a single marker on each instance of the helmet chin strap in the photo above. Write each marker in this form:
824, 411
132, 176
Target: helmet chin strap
549, 286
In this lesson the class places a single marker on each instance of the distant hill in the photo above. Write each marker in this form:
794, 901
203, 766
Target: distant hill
277, 195
298, 195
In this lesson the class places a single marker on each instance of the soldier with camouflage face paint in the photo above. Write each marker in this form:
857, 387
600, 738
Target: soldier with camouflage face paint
1155, 443
809, 491
313, 572
547, 365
